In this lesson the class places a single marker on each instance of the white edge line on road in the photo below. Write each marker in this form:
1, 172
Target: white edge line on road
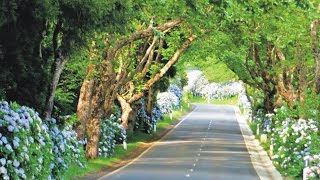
144, 152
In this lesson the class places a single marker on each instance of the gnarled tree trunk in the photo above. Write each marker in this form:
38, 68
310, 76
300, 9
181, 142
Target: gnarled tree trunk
95, 103
316, 51
126, 110
149, 104
84, 103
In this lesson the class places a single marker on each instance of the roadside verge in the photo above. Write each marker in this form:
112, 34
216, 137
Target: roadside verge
259, 157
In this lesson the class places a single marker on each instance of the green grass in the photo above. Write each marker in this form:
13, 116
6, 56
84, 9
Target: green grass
198, 99
253, 126
95, 165
133, 143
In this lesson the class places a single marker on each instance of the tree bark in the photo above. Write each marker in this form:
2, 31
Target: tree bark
84, 106
126, 110
93, 134
58, 65
149, 105
128, 100
316, 51
284, 84
260, 75
149, 60
268, 101
95, 102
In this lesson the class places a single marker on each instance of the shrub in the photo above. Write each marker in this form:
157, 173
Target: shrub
313, 169
156, 114
174, 89
32, 149
198, 85
292, 139
144, 122
66, 148
167, 102
111, 133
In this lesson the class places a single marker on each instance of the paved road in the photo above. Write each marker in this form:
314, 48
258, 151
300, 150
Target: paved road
206, 145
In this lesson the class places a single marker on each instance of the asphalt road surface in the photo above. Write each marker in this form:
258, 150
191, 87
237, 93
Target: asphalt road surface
206, 145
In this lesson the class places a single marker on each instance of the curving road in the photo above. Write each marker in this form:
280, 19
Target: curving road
205, 145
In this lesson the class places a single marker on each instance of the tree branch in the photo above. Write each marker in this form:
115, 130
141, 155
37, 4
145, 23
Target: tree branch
164, 69
140, 35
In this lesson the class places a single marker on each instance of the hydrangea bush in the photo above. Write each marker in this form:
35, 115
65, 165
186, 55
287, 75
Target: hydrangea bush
31, 148
198, 85
294, 140
111, 133
174, 89
156, 114
245, 105
167, 102
66, 147
313, 168
143, 121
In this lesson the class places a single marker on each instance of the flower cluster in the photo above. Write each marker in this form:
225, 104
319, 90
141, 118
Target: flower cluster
111, 132
174, 89
156, 114
245, 105
313, 169
167, 102
143, 121
65, 147
198, 85
32, 149
292, 140
243, 102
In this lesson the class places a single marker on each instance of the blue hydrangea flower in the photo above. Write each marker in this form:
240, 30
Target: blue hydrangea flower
16, 163
25, 149
31, 139
4, 140
15, 143
3, 170
8, 147
3, 161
